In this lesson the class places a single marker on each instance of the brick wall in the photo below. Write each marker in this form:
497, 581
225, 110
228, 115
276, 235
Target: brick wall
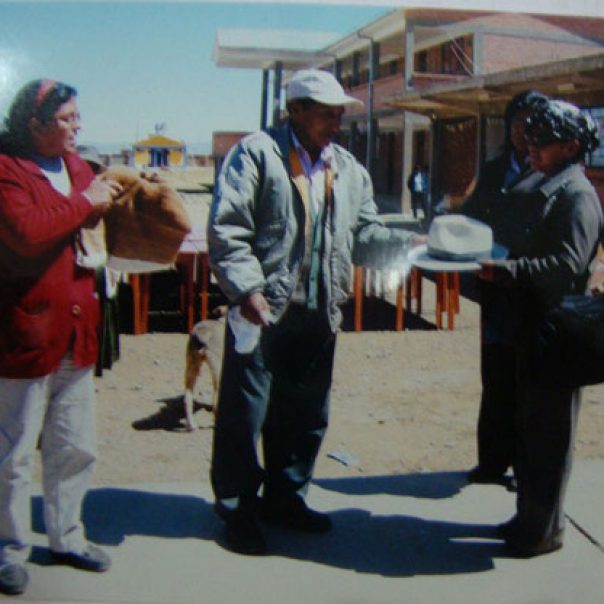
223, 141
506, 52
456, 158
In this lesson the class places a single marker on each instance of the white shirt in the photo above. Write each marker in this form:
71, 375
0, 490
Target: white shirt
315, 172
418, 182
59, 180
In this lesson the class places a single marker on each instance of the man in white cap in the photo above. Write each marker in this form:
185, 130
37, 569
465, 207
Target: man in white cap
289, 206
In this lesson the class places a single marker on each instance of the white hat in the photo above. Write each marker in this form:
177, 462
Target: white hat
318, 85
459, 238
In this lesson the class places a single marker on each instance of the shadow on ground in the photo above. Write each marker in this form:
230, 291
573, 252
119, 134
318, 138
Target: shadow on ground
170, 416
393, 545
380, 315
435, 485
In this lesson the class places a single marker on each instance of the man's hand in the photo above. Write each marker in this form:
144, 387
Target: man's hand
487, 271
256, 310
418, 240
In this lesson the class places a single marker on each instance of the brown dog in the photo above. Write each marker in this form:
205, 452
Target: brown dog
205, 345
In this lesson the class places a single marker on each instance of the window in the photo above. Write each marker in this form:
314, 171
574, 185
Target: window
453, 58
391, 68
596, 159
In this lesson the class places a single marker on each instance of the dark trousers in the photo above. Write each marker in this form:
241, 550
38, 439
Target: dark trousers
109, 328
280, 391
417, 203
547, 422
498, 407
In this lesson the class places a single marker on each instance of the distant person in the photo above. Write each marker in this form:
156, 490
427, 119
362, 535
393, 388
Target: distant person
492, 202
561, 223
288, 207
48, 333
418, 184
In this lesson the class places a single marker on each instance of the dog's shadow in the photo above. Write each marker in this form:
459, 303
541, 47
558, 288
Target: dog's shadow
362, 540
170, 416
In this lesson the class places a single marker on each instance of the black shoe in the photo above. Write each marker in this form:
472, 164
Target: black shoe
92, 558
13, 579
243, 535
506, 530
296, 515
522, 548
511, 484
522, 542
479, 475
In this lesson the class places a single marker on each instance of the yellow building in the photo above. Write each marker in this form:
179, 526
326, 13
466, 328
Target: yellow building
159, 151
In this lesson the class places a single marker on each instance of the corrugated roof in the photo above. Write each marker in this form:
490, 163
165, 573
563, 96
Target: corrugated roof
580, 80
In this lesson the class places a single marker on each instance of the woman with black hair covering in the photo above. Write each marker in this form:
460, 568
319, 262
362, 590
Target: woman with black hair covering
492, 202
48, 328
561, 222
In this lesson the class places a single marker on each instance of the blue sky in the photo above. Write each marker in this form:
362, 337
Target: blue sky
136, 64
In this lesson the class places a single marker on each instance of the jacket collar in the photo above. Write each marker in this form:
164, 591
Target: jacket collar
282, 137
73, 164
560, 180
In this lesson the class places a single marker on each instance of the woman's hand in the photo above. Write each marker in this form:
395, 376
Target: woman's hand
102, 192
153, 177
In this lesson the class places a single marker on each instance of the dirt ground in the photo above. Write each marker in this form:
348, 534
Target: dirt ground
402, 402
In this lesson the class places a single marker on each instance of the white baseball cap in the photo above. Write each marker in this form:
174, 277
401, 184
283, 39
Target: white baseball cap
318, 85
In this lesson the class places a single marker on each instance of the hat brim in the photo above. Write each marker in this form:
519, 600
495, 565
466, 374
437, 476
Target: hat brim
420, 258
335, 100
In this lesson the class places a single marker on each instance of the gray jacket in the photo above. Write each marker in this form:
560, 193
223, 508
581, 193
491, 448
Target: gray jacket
559, 226
257, 220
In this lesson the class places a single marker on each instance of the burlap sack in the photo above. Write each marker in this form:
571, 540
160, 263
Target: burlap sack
146, 224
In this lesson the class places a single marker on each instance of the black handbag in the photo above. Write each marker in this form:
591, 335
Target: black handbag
570, 342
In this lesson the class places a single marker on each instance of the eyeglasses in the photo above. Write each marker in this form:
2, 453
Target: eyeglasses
70, 119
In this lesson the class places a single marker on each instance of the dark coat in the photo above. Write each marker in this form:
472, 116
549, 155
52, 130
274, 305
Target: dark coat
558, 226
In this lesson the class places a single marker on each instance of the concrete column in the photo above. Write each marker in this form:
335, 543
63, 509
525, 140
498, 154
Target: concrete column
478, 47
356, 68
264, 100
353, 137
337, 69
409, 56
374, 58
277, 92
407, 160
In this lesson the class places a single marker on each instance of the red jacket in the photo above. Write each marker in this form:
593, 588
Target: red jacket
46, 300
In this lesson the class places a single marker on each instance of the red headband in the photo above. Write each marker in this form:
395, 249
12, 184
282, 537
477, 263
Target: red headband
45, 87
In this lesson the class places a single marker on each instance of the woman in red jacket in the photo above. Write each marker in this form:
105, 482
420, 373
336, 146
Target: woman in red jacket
48, 322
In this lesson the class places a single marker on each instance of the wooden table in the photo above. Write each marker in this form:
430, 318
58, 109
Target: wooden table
446, 280
360, 273
410, 288
192, 263
447, 295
